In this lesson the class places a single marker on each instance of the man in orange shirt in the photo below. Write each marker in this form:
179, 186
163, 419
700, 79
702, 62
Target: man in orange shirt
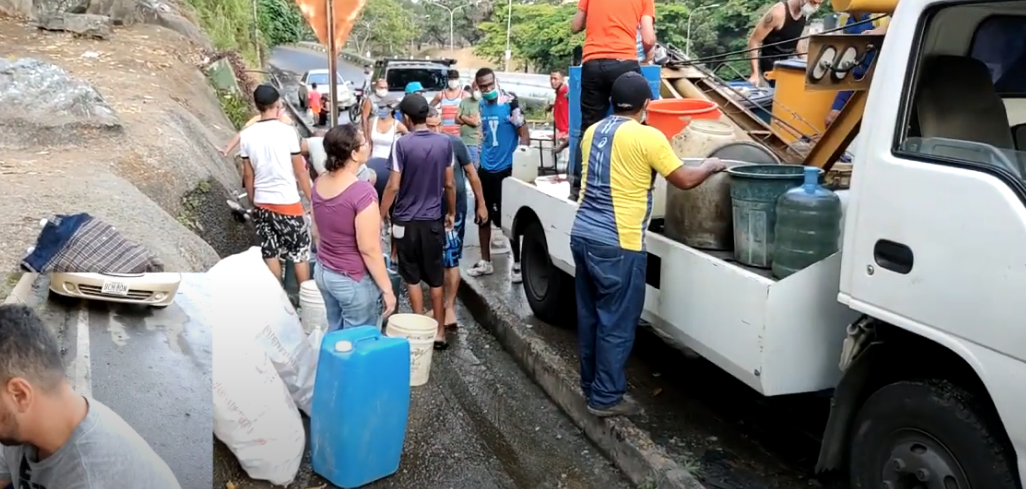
610, 50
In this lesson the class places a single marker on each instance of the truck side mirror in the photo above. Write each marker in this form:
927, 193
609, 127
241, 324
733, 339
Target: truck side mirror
1019, 136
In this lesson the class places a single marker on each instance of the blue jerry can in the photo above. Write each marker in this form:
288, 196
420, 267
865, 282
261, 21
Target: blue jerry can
361, 404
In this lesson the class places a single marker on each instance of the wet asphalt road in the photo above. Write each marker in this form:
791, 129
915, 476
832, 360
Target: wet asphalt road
152, 367
299, 60
717, 427
479, 423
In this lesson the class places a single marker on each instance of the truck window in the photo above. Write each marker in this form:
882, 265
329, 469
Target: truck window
967, 98
433, 79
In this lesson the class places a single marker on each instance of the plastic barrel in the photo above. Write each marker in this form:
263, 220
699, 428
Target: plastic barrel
311, 308
754, 190
671, 116
420, 331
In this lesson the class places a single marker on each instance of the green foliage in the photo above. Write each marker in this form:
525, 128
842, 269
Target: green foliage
229, 24
235, 108
539, 34
385, 27
281, 22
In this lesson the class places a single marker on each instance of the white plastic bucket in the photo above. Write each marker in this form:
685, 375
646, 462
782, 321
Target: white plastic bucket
420, 331
311, 308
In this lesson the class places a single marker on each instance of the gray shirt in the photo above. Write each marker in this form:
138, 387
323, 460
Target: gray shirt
421, 158
103, 452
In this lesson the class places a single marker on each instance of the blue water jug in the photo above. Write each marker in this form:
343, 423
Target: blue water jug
361, 403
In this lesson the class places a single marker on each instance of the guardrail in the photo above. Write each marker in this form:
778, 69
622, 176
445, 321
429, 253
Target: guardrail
298, 116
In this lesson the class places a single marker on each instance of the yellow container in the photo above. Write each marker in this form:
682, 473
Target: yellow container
797, 112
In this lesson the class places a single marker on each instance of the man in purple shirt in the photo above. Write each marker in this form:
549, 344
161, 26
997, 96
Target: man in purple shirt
421, 170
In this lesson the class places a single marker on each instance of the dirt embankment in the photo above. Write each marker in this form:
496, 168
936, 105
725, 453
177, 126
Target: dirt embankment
154, 172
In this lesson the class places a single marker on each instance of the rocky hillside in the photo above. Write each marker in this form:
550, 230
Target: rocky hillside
108, 111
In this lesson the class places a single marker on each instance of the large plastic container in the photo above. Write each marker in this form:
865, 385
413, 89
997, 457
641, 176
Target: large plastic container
702, 217
794, 107
701, 137
525, 163
361, 404
420, 331
808, 227
754, 190
671, 116
311, 308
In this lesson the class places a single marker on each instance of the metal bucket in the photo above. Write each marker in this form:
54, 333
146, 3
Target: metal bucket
754, 190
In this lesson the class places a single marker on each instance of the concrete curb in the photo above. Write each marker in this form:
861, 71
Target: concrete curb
629, 447
21, 291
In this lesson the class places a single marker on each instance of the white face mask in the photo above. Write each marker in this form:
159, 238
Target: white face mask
477, 95
454, 84
381, 92
808, 9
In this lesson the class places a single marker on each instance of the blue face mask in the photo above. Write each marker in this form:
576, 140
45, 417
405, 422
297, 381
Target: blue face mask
384, 112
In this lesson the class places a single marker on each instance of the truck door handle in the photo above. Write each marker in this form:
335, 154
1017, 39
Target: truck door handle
892, 256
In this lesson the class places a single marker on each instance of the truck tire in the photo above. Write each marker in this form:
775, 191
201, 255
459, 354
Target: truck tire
549, 290
929, 433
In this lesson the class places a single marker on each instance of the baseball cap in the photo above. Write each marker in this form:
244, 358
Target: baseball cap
414, 87
630, 92
415, 106
265, 95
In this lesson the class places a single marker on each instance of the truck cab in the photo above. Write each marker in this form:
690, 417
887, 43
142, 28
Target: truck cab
912, 326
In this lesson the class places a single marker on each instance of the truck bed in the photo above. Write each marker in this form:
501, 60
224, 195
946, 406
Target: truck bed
768, 333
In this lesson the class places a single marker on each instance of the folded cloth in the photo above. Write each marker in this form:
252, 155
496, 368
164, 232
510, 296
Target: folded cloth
80, 243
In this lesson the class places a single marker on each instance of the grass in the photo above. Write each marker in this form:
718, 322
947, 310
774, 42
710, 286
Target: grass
234, 107
230, 25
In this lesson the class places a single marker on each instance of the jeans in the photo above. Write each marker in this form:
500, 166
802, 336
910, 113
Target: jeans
347, 302
610, 289
475, 155
597, 77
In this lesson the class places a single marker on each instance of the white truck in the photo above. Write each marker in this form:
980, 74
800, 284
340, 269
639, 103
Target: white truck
917, 325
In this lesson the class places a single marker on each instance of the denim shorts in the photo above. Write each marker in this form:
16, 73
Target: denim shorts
347, 302
475, 155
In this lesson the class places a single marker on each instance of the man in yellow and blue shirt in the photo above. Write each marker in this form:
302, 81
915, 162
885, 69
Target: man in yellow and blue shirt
620, 159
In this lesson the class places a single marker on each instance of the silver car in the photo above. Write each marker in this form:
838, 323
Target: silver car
343, 89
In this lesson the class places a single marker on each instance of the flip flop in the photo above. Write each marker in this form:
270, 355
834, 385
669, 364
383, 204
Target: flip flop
452, 325
441, 345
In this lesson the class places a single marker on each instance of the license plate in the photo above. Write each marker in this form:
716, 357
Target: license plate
113, 287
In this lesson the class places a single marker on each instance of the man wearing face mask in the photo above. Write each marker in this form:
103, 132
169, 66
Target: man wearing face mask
620, 159
375, 101
776, 35
469, 119
51, 436
448, 103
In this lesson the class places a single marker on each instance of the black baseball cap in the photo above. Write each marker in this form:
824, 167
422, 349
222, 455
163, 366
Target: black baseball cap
630, 92
265, 95
415, 106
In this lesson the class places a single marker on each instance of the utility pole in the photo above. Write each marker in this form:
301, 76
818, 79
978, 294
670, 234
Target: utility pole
332, 63
256, 32
509, 24
452, 16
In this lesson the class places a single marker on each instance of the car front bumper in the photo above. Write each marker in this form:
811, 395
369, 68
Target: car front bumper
151, 289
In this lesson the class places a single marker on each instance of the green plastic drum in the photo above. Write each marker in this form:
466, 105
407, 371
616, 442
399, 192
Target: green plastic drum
754, 190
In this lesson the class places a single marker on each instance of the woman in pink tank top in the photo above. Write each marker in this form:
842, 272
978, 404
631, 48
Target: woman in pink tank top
350, 271
448, 102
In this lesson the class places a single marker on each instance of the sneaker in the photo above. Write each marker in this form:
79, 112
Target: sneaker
515, 274
481, 268
626, 407
499, 245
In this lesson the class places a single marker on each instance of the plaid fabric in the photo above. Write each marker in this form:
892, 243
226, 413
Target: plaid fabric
96, 247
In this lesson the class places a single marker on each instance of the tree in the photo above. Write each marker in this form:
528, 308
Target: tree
281, 22
384, 27
539, 34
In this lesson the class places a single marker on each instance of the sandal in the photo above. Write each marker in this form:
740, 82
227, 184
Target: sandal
452, 325
441, 345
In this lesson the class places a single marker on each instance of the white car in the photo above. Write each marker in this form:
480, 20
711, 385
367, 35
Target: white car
346, 98
149, 289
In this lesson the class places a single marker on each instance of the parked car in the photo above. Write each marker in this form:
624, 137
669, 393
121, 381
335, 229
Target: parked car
149, 289
346, 98
433, 74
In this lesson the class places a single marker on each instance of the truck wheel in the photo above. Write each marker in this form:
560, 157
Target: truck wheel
549, 290
928, 433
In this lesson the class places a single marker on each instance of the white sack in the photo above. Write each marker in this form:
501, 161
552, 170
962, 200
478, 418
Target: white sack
247, 292
254, 415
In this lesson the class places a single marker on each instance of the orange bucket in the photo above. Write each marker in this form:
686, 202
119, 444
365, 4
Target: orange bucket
671, 116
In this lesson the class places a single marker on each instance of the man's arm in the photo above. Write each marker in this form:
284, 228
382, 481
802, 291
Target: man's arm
580, 17
394, 178
648, 35
299, 165
516, 117
768, 23
662, 159
450, 194
247, 179
234, 143
437, 100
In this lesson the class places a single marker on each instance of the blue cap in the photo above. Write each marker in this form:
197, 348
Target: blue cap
414, 87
